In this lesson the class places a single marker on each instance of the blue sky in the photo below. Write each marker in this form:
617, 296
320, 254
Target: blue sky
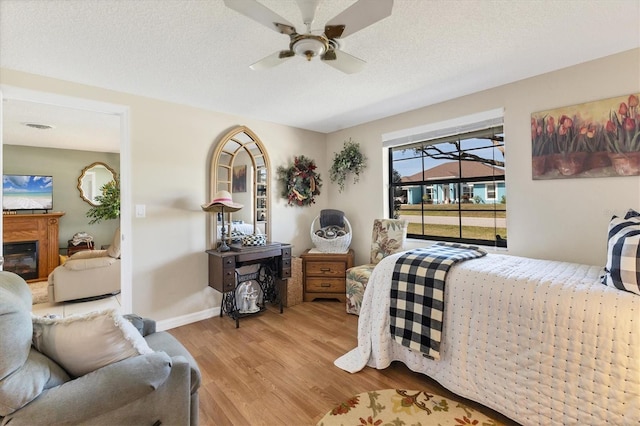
23, 183
407, 162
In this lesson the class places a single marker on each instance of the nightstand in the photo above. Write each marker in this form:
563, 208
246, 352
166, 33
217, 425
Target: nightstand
324, 274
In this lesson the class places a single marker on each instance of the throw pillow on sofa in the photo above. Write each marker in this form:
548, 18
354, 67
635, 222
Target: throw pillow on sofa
84, 343
82, 264
623, 254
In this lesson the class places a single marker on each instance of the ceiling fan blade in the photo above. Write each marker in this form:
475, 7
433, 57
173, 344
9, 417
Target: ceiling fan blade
272, 60
359, 15
261, 14
344, 62
308, 10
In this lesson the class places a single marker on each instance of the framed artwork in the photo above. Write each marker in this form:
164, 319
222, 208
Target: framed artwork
239, 182
594, 139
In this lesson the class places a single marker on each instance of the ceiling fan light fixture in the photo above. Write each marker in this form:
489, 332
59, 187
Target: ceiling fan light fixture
309, 46
323, 43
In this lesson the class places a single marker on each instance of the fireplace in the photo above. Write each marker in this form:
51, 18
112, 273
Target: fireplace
43, 228
21, 258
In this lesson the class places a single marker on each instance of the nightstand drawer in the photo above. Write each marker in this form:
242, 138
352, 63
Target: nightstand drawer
325, 275
326, 269
325, 285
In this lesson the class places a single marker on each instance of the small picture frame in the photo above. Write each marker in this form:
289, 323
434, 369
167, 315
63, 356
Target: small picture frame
239, 181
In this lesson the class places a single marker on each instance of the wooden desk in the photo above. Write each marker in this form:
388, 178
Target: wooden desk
275, 265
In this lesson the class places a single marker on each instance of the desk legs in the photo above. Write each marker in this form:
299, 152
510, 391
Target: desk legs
270, 291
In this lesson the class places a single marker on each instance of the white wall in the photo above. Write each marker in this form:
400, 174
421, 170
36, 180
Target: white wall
553, 219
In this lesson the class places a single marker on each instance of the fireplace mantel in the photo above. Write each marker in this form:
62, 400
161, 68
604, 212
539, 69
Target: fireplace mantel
31, 227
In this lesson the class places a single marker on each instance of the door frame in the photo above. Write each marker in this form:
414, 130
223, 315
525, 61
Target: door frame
8, 92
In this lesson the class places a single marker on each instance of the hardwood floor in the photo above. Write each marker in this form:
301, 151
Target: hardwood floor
277, 369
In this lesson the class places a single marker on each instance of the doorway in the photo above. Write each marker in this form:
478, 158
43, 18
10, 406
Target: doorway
12, 93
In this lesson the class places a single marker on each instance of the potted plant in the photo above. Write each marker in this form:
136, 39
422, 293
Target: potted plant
349, 160
559, 145
109, 203
622, 133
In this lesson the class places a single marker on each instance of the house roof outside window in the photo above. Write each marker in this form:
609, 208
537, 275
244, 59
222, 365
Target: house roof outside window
470, 169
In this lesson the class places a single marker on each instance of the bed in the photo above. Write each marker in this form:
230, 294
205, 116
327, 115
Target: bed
542, 342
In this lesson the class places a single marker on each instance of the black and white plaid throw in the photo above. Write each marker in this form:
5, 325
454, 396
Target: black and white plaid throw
417, 294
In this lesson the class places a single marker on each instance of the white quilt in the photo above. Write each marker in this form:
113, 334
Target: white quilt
543, 342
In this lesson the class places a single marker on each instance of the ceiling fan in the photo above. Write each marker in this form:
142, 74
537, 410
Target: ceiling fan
312, 43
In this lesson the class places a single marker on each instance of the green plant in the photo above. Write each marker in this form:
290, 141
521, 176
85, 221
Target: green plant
109, 207
622, 131
349, 160
300, 183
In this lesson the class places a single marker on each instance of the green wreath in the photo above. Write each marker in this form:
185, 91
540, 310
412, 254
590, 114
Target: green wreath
300, 182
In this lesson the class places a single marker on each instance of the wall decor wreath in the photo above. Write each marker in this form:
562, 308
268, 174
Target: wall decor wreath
300, 183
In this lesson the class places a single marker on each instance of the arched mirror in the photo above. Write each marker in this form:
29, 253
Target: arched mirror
92, 178
240, 165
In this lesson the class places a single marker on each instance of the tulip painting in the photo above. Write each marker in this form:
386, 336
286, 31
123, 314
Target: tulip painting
594, 139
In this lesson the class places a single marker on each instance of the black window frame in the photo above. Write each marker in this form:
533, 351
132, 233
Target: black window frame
494, 132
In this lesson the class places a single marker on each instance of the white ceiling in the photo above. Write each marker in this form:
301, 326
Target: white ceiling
198, 52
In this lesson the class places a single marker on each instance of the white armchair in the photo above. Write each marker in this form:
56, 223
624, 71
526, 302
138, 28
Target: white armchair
85, 274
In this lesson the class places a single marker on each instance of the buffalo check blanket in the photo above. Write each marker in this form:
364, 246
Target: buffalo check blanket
417, 294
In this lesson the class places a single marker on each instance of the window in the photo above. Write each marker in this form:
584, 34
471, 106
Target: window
491, 191
453, 188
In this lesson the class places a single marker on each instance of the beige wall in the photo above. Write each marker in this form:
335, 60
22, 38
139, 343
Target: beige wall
171, 146
554, 219
65, 165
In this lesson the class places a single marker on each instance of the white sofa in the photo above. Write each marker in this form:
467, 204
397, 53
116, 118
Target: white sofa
86, 274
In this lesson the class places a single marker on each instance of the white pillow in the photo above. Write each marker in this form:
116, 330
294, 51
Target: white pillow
84, 343
114, 248
74, 264
88, 254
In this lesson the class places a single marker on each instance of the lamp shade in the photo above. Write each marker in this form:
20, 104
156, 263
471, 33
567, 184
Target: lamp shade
222, 200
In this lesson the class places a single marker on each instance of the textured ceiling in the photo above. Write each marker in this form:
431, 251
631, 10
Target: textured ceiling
198, 52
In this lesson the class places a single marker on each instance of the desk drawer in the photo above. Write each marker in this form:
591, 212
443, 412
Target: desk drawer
285, 273
326, 269
228, 280
325, 285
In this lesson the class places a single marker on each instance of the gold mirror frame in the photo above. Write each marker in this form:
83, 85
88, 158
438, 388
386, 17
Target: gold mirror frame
89, 183
237, 148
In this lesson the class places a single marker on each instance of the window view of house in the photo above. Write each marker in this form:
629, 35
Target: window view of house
452, 189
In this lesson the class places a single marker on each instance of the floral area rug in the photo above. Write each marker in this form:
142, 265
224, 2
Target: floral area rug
39, 292
396, 407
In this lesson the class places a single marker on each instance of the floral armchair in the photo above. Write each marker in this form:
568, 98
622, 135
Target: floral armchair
388, 237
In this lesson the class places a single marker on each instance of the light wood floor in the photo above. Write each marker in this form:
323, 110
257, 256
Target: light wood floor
277, 369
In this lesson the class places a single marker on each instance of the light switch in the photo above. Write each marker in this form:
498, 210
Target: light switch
141, 210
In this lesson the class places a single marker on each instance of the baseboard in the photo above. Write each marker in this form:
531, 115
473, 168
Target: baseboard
174, 322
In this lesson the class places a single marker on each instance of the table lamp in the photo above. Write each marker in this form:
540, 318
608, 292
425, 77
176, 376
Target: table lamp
222, 201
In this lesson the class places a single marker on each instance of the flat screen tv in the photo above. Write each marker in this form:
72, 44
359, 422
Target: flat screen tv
27, 192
